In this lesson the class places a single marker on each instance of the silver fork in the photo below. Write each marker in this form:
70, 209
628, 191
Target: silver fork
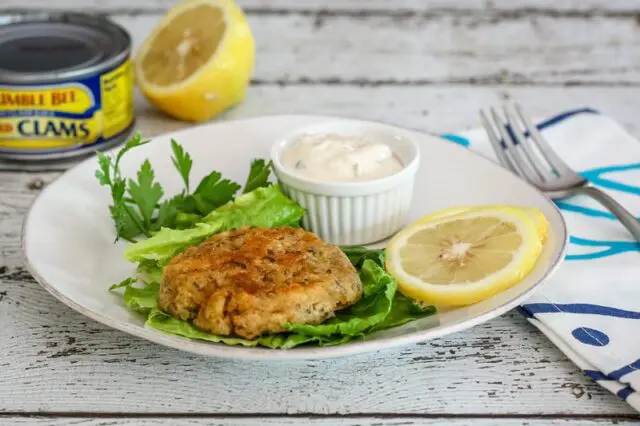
544, 168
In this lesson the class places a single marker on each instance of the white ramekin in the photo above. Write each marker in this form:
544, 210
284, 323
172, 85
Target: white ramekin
353, 213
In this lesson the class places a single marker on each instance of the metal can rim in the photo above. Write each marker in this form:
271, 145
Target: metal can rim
121, 51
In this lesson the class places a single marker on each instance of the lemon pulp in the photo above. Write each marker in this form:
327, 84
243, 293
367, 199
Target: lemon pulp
539, 219
182, 48
198, 60
463, 256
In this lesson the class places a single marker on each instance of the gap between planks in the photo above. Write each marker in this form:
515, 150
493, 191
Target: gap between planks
267, 415
80, 414
333, 421
423, 50
359, 7
396, 13
501, 78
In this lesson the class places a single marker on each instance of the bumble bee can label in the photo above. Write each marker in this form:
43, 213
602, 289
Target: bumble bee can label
66, 86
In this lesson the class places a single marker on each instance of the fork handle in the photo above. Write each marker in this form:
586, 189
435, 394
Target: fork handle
627, 219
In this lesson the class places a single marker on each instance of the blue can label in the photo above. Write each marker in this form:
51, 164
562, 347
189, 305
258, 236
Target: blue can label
70, 115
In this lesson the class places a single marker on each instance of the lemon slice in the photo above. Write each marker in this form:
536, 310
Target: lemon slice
464, 257
541, 222
198, 60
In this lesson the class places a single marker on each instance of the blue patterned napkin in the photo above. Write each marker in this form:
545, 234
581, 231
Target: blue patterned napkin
591, 307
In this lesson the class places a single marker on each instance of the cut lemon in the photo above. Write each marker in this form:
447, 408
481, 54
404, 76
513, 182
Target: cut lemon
198, 60
465, 256
542, 225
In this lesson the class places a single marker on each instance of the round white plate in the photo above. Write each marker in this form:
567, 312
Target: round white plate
68, 235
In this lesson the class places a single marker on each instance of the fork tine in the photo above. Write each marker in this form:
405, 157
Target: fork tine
496, 144
525, 146
521, 164
547, 152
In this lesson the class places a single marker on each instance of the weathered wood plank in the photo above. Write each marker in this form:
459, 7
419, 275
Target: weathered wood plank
398, 66
441, 49
350, 5
438, 50
58, 360
333, 421
437, 109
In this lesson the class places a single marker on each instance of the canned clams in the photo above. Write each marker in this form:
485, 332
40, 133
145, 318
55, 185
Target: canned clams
66, 86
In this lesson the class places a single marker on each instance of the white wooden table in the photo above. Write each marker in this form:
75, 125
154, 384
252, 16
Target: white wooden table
421, 64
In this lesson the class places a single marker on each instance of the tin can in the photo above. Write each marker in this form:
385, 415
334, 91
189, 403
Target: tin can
66, 86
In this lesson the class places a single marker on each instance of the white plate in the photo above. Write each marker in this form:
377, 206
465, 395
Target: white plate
68, 235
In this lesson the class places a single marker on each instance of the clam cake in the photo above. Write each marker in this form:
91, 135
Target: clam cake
252, 281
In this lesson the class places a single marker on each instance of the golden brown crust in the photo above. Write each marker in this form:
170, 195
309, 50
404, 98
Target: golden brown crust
249, 282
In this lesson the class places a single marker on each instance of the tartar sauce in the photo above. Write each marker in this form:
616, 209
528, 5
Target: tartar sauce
332, 157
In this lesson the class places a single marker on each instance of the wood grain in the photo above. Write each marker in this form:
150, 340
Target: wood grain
361, 6
427, 65
58, 360
437, 50
444, 48
334, 421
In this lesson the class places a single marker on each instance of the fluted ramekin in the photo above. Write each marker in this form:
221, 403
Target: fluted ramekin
353, 213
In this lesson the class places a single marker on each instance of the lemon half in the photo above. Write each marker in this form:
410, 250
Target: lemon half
198, 60
463, 256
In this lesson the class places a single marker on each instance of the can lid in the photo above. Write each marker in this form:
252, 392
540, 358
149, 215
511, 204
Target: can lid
47, 47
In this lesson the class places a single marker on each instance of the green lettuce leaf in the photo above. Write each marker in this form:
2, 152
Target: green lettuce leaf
149, 272
357, 255
142, 299
138, 298
381, 307
167, 324
379, 290
265, 207
163, 322
404, 310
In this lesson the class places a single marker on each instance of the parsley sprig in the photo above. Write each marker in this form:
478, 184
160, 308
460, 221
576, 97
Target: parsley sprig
138, 207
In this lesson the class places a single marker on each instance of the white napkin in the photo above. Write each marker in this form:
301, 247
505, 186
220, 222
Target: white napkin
591, 307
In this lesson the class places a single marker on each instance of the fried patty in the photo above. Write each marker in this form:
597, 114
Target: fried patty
250, 281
